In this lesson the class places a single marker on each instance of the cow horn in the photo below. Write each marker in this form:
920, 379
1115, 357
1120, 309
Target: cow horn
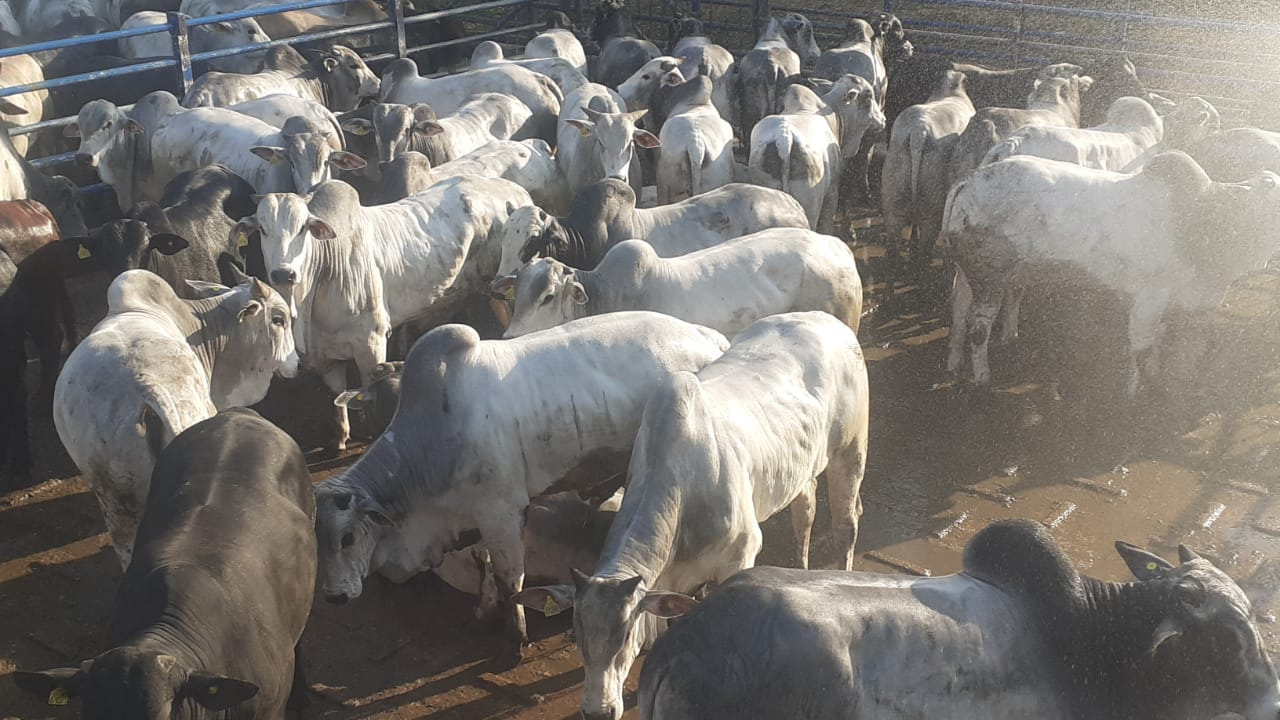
1186, 554
592, 114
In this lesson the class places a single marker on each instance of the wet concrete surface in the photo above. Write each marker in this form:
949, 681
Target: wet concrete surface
1194, 461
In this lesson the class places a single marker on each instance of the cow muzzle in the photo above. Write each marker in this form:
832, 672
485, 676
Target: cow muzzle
338, 599
84, 159
284, 277
609, 713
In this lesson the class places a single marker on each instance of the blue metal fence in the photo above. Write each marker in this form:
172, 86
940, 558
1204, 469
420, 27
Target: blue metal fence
178, 27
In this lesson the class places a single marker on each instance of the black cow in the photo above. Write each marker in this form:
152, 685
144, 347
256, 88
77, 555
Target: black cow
623, 46
210, 611
122, 245
202, 206
1019, 634
375, 403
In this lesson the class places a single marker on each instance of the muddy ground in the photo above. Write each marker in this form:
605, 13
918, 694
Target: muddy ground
1195, 461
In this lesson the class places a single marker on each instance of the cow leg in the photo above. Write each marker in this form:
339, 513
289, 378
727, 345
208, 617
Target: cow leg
48, 341
502, 534
335, 378
961, 301
844, 496
1144, 330
298, 699
982, 317
803, 509
1013, 304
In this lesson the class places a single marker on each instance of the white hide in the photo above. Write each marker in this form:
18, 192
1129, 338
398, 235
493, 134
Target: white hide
1132, 128
561, 71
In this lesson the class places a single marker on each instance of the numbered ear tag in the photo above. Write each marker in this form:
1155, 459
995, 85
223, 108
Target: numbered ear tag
83, 253
59, 696
550, 608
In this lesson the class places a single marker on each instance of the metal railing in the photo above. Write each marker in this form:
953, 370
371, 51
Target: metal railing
178, 27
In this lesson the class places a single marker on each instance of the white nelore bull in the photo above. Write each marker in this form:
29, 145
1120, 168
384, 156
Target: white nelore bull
725, 287
482, 427
717, 454
353, 274
155, 366
1166, 238
562, 71
1019, 634
801, 150
1132, 128
696, 144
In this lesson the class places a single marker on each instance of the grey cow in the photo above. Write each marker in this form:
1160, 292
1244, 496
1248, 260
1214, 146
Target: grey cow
1020, 633
784, 47
717, 454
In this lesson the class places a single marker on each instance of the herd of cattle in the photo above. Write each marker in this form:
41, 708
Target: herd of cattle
293, 211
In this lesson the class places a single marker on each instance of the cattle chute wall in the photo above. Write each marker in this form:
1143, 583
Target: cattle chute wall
497, 19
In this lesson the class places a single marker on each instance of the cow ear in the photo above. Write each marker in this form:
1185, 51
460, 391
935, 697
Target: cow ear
356, 400
585, 127
344, 160
505, 286
205, 290
1186, 554
373, 510
273, 155
216, 692
9, 107
1167, 630
550, 599
1143, 564
1086, 82
242, 230
251, 308
168, 243
358, 126
320, 229
53, 687
330, 63
577, 292
71, 131
133, 127
428, 128
646, 139
666, 604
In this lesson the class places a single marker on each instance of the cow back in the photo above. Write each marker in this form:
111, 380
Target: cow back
25, 226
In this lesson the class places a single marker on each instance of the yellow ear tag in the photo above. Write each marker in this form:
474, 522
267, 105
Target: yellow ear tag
585, 132
550, 608
59, 696
273, 160
83, 253
360, 130
1152, 567
211, 690
360, 396
510, 293
242, 240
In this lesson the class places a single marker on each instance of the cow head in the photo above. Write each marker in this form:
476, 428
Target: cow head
102, 127
311, 158
638, 89
521, 228
606, 618
1191, 121
1060, 94
616, 137
134, 683
346, 78
1205, 657
547, 294
376, 402
257, 336
123, 245
232, 34
349, 523
286, 228
407, 175
66, 203
853, 102
798, 32
395, 126
613, 19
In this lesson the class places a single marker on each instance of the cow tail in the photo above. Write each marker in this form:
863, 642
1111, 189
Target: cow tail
158, 423
915, 145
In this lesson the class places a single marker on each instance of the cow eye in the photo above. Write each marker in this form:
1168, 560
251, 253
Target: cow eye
547, 300
348, 540
644, 77
278, 320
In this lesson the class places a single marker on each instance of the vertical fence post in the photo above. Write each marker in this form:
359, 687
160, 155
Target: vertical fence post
760, 16
533, 18
395, 8
1022, 20
181, 51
